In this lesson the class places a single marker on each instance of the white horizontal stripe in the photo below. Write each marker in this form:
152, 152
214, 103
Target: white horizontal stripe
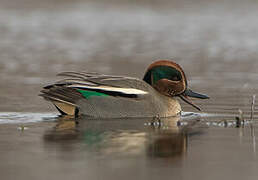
113, 89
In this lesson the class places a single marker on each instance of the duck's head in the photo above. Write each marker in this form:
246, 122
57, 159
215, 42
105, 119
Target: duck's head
169, 79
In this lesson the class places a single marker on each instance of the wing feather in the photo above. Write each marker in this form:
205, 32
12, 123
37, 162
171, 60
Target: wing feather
68, 89
109, 88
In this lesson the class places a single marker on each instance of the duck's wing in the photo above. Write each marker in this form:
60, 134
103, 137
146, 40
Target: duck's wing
82, 85
102, 79
107, 84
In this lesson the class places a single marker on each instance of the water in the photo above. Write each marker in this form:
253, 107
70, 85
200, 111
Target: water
214, 42
126, 148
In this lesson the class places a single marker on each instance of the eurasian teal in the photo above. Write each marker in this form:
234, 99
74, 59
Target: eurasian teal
107, 96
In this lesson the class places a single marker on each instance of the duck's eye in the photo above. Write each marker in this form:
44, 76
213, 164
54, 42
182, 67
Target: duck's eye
175, 78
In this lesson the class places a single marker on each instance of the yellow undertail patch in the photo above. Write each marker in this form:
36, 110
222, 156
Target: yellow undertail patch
65, 108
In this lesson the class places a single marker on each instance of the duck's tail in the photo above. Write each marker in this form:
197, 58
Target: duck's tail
63, 98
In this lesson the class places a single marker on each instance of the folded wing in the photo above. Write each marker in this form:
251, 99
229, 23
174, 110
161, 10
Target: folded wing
81, 85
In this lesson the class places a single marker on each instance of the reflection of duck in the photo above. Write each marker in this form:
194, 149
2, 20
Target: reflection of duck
64, 130
106, 138
167, 145
106, 96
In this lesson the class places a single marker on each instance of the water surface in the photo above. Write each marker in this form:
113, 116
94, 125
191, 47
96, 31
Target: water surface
127, 148
216, 44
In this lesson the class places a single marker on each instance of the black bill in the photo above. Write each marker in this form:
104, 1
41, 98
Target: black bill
189, 93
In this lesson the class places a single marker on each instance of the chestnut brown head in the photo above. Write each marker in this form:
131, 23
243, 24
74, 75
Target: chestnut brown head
169, 79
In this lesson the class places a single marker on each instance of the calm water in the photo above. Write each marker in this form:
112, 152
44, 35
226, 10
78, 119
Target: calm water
215, 43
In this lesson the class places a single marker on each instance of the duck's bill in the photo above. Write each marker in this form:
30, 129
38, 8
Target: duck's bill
189, 93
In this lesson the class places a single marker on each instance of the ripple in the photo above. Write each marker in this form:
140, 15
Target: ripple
25, 117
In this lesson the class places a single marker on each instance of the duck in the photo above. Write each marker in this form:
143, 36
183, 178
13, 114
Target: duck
99, 95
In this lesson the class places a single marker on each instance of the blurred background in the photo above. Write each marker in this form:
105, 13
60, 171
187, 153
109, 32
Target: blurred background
216, 43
